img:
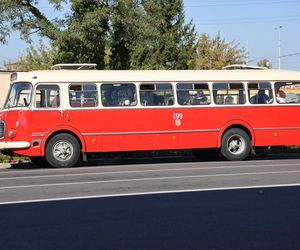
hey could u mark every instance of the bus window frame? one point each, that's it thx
(117, 106)
(30, 104)
(245, 88)
(196, 82)
(98, 91)
(60, 96)
(275, 92)
(173, 86)
(272, 91)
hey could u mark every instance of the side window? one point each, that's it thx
(228, 93)
(115, 95)
(157, 94)
(287, 92)
(47, 96)
(193, 94)
(260, 93)
(83, 95)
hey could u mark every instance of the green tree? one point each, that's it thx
(85, 39)
(79, 37)
(126, 19)
(166, 41)
(215, 53)
(40, 58)
(264, 63)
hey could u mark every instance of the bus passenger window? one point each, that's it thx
(260, 93)
(158, 94)
(193, 94)
(228, 93)
(83, 95)
(116, 95)
(287, 92)
(47, 96)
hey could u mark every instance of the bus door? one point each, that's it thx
(47, 110)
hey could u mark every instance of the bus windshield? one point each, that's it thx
(19, 95)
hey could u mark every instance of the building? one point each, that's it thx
(4, 83)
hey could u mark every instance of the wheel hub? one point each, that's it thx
(62, 150)
(236, 145)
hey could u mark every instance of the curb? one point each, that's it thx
(4, 165)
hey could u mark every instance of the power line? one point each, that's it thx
(293, 54)
(239, 4)
(250, 18)
(240, 21)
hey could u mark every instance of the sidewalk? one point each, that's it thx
(4, 165)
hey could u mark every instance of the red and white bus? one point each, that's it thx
(58, 116)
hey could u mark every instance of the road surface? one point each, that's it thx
(168, 204)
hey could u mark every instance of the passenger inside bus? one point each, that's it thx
(260, 98)
(201, 98)
(229, 99)
(281, 96)
(183, 97)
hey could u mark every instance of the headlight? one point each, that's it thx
(11, 134)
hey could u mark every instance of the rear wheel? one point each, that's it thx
(63, 151)
(236, 145)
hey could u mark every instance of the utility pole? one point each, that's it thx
(279, 45)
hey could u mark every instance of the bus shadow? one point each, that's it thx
(156, 159)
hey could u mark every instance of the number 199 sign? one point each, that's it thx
(177, 118)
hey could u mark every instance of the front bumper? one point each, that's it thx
(14, 145)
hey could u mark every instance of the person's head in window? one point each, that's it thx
(280, 96)
(262, 97)
(229, 99)
(201, 97)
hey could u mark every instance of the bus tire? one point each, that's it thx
(236, 145)
(63, 151)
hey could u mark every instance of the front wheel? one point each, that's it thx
(63, 151)
(236, 145)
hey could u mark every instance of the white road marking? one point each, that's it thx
(151, 193)
(144, 171)
(145, 179)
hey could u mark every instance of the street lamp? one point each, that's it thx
(279, 45)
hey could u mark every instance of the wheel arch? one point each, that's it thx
(69, 130)
(236, 124)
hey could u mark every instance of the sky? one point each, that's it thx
(253, 24)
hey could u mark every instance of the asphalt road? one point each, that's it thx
(23, 183)
(266, 218)
(161, 204)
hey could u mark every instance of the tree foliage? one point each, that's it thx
(115, 34)
(168, 42)
(215, 53)
(84, 39)
(40, 58)
(78, 37)
(264, 63)
(120, 34)
(127, 19)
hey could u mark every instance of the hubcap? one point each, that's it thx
(236, 144)
(62, 150)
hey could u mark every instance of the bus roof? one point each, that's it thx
(157, 75)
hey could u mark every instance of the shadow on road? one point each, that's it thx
(151, 158)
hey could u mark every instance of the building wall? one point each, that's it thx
(4, 86)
